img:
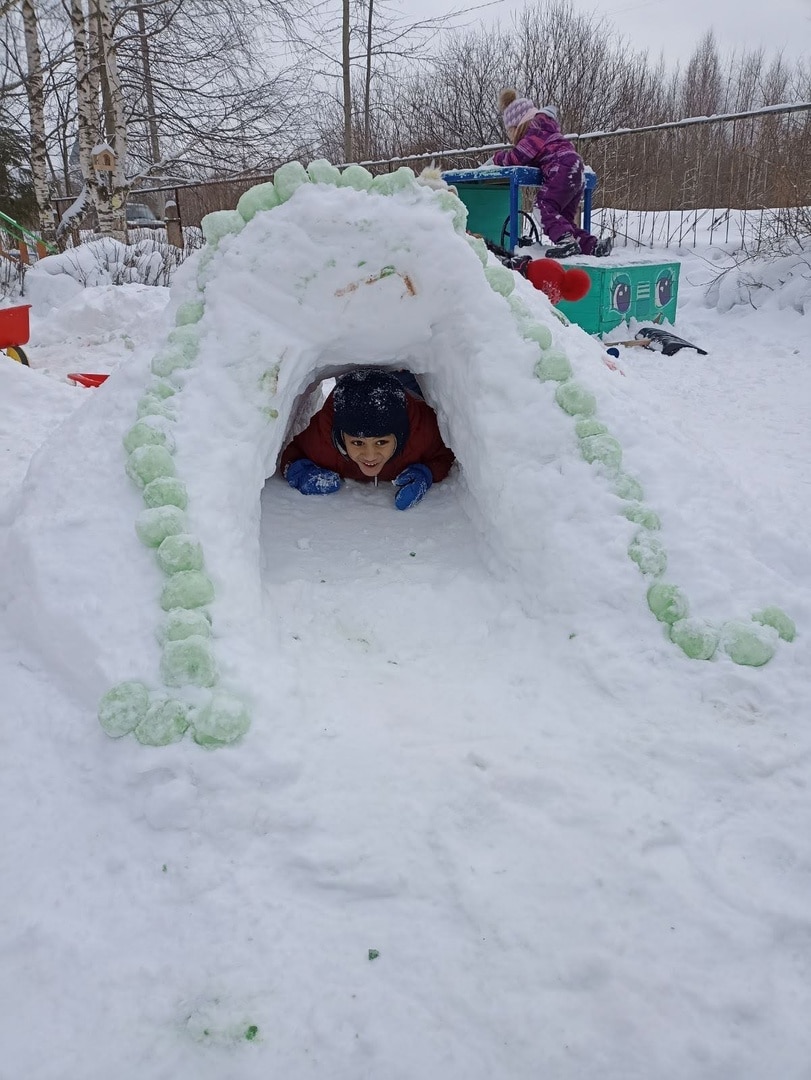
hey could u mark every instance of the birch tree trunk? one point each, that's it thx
(347, 80)
(86, 104)
(36, 111)
(112, 197)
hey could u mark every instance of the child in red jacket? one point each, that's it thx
(370, 428)
(537, 141)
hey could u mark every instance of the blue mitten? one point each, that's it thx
(412, 483)
(310, 479)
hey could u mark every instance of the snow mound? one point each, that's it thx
(304, 281)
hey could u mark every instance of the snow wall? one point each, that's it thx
(311, 276)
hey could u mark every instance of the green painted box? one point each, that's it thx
(488, 210)
(647, 293)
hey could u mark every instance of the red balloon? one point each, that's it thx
(576, 283)
(547, 275)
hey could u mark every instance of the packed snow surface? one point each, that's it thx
(488, 819)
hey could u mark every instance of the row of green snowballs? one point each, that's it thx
(751, 643)
(187, 660)
(291, 176)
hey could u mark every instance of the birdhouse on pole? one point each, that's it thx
(103, 157)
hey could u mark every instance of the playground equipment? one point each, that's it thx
(23, 242)
(647, 293)
(14, 332)
(492, 195)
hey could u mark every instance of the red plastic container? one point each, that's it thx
(14, 329)
(86, 378)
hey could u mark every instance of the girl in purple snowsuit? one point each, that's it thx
(538, 142)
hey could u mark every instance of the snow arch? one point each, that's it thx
(312, 275)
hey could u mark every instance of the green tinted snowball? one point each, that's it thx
(602, 448)
(323, 172)
(188, 662)
(553, 366)
(642, 515)
(187, 589)
(626, 487)
(153, 526)
(145, 434)
(165, 723)
(166, 491)
(390, 183)
(695, 637)
(222, 721)
(542, 335)
(221, 223)
(180, 552)
(355, 176)
(667, 602)
(259, 197)
(289, 178)
(186, 339)
(584, 428)
(454, 206)
(145, 463)
(161, 389)
(774, 617)
(190, 312)
(123, 708)
(648, 554)
(182, 624)
(478, 245)
(151, 405)
(750, 644)
(169, 360)
(574, 399)
(500, 279)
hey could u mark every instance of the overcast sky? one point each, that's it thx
(675, 26)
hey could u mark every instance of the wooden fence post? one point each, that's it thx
(174, 230)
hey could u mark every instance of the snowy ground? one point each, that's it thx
(575, 852)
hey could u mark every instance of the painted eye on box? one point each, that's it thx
(664, 288)
(621, 294)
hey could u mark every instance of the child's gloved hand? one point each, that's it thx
(412, 483)
(310, 479)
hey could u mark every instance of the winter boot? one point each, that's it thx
(603, 247)
(566, 246)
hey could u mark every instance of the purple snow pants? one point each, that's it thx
(559, 199)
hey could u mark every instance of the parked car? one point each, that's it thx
(140, 216)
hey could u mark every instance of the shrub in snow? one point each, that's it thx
(104, 261)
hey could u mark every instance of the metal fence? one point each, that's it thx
(739, 180)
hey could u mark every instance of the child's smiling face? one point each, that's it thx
(370, 455)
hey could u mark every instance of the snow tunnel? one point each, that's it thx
(312, 275)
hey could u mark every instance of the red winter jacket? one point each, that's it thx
(424, 445)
